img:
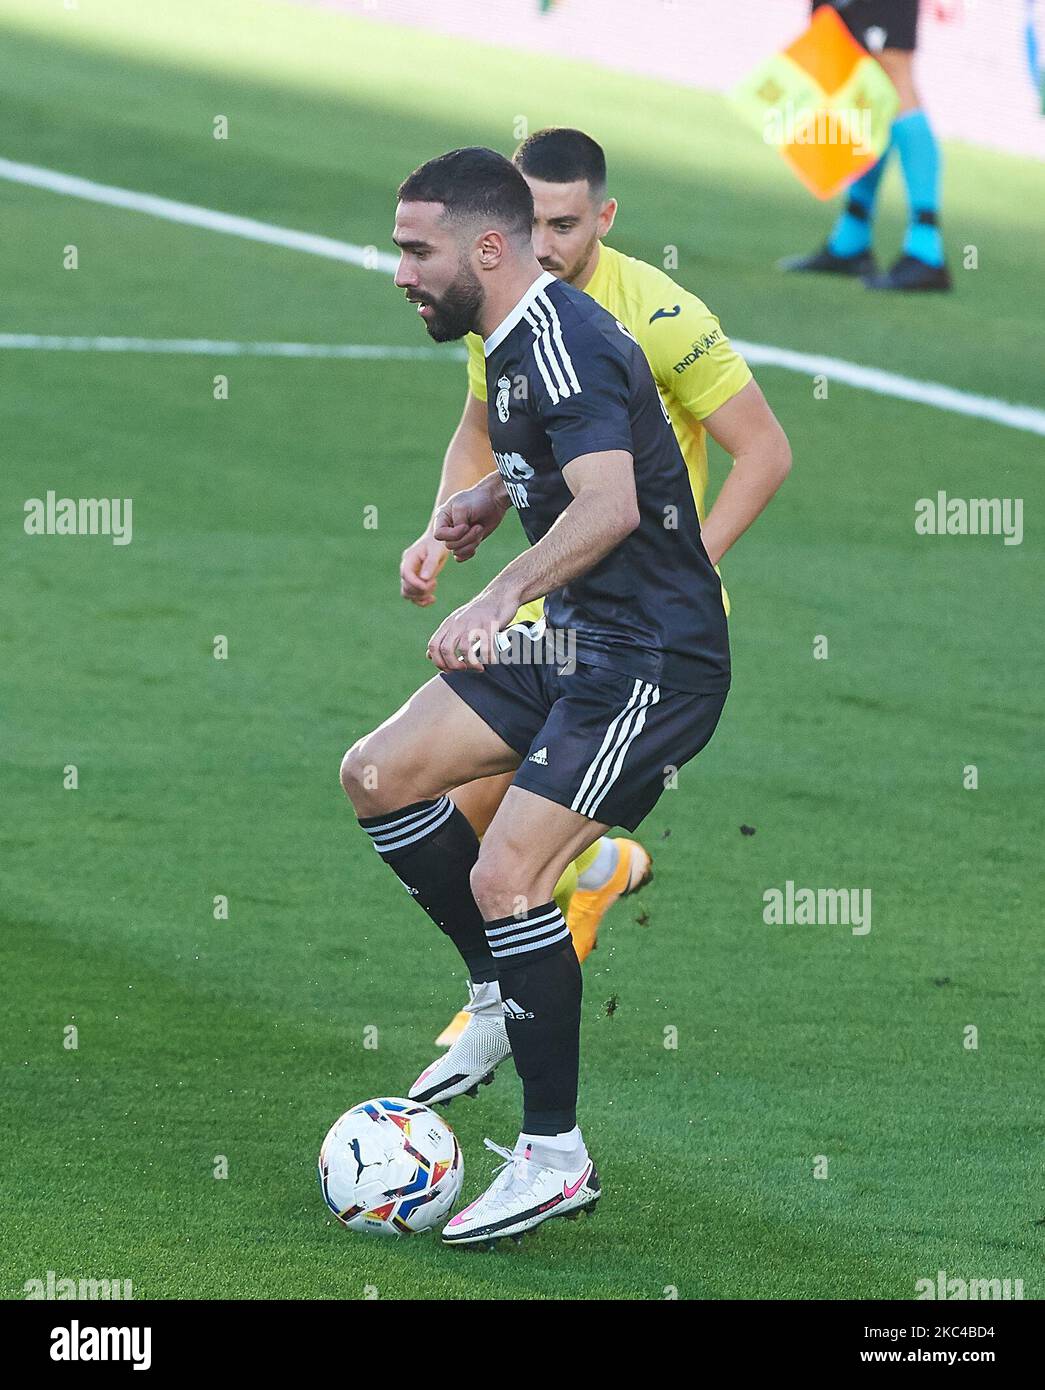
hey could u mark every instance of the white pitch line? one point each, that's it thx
(1016, 417)
(218, 347)
(192, 216)
(931, 393)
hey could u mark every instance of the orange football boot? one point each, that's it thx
(588, 906)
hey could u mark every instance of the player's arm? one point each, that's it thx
(749, 431)
(467, 461)
(604, 511)
(695, 362)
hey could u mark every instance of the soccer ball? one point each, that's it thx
(391, 1167)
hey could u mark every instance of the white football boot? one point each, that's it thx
(524, 1193)
(473, 1058)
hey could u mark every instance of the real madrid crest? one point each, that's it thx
(504, 386)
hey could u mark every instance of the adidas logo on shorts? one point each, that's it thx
(541, 757)
(515, 1010)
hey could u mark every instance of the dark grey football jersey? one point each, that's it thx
(564, 378)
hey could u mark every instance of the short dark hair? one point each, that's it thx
(561, 155)
(474, 183)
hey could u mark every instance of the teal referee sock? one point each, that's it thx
(920, 159)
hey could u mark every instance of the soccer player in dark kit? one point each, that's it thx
(628, 679)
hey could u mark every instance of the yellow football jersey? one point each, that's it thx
(693, 363)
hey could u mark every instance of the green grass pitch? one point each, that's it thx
(198, 777)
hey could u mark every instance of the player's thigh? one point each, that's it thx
(478, 801)
(528, 844)
(899, 68)
(429, 745)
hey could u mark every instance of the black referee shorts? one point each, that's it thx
(604, 744)
(879, 24)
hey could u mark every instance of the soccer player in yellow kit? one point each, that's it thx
(706, 388)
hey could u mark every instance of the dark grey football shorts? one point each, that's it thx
(602, 743)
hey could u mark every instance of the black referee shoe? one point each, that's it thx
(826, 262)
(909, 273)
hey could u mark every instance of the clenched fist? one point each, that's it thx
(464, 520)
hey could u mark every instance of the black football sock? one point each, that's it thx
(432, 849)
(541, 993)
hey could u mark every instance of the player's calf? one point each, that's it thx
(396, 778)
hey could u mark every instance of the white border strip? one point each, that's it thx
(931, 393)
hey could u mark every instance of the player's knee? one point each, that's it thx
(376, 777)
(899, 68)
(498, 887)
(358, 772)
(484, 881)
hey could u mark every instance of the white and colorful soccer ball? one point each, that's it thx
(391, 1167)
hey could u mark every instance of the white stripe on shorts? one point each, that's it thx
(604, 769)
